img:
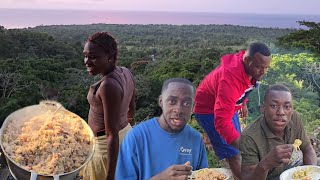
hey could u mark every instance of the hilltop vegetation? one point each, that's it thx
(46, 62)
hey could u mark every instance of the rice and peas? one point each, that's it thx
(48, 145)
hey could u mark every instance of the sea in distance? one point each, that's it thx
(22, 18)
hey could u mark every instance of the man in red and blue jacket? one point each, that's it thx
(223, 92)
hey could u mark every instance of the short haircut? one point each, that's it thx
(178, 80)
(276, 87)
(258, 47)
(106, 42)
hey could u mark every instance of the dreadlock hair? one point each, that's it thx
(106, 42)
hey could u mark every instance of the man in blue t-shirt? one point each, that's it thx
(164, 147)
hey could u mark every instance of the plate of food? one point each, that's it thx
(307, 172)
(211, 173)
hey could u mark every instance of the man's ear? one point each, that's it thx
(160, 101)
(246, 60)
(112, 60)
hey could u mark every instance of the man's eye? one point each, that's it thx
(187, 103)
(273, 106)
(172, 101)
(287, 107)
(89, 57)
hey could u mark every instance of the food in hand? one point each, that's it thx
(297, 144)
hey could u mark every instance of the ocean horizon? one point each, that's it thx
(23, 18)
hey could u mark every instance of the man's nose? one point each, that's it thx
(177, 108)
(86, 60)
(280, 111)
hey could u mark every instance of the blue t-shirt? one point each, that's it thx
(148, 150)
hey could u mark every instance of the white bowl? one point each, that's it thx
(314, 172)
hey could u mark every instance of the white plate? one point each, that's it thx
(314, 172)
(225, 171)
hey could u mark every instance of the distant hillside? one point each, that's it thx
(16, 43)
(168, 35)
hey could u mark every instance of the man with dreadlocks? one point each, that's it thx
(111, 102)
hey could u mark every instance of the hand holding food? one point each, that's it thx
(175, 172)
(278, 156)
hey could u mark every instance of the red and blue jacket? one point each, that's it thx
(223, 92)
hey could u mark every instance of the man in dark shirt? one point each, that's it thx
(266, 144)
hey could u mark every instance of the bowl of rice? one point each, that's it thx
(46, 141)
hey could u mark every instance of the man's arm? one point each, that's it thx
(132, 107)
(175, 172)
(309, 155)
(243, 112)
(279, 155)
(236, 143)
(110, 94)
(224, 111)
(254, 172)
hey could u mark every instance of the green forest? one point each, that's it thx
(46, 62)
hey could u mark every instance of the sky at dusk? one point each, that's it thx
(224, 6)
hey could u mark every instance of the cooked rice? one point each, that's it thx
(48, 145)
(212, 174)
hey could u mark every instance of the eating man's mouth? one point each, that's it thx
(280, 122)
(89, 68)
(177, 121)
